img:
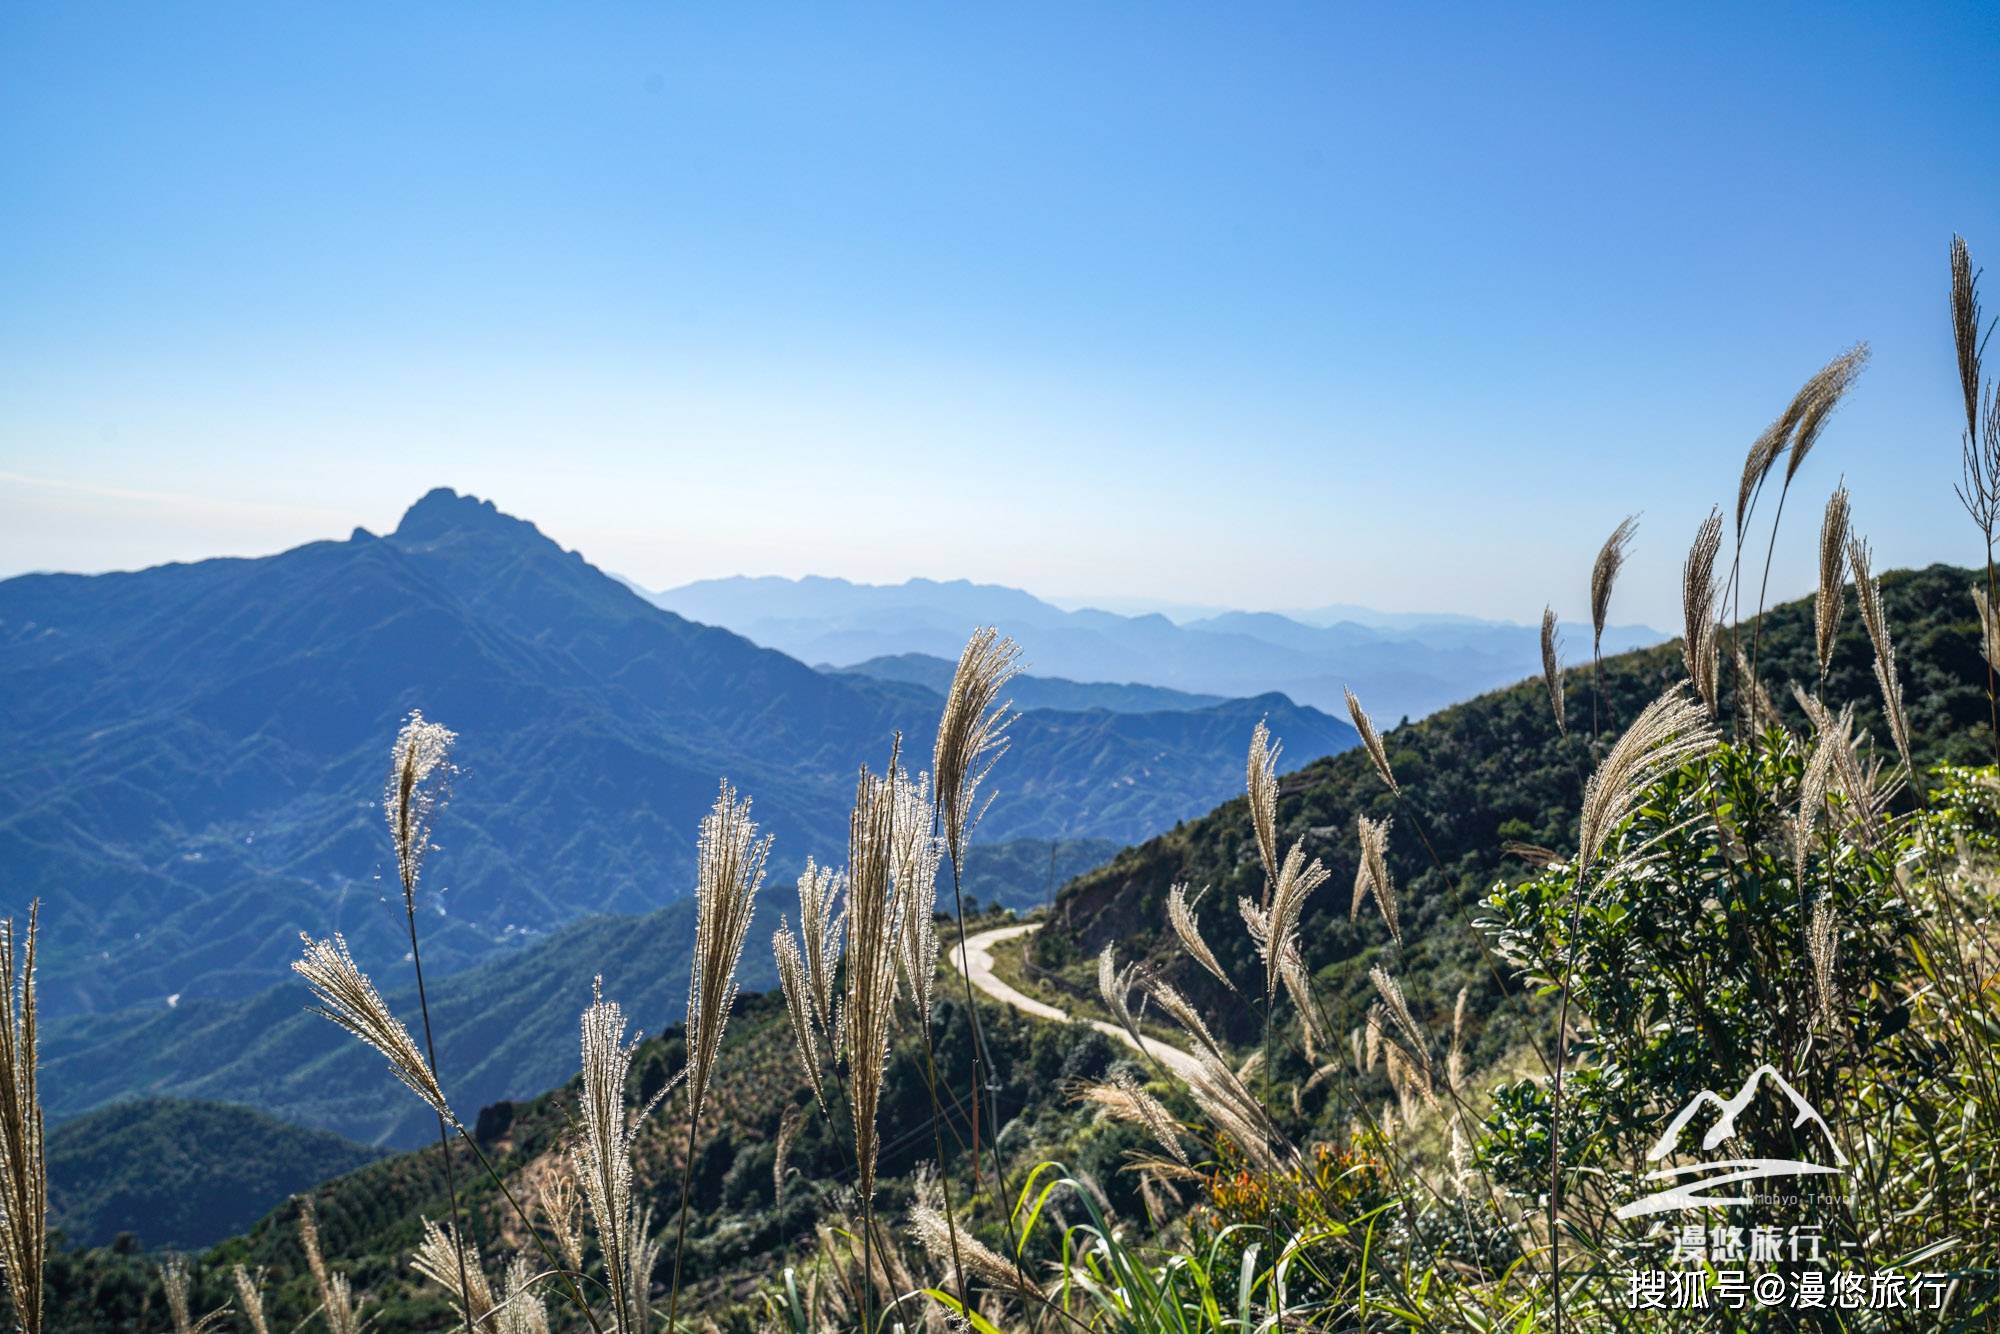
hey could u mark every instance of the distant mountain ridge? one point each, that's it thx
(196, 753)
(1403, 665)
(1037, 692)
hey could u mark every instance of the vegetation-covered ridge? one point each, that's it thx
(180, 1174)
(1479, 776)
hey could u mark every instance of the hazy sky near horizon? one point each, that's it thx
(1264, 306)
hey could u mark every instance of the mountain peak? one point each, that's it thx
(442, 511)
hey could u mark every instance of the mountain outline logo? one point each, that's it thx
(1690, 1194)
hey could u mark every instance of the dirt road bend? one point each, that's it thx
(976, 962)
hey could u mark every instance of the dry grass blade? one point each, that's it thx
(1454, 1061)
(1371, 740)
(1180, 913)
(1120, 1098)
(1261, 783)
(972, 732)
(1832, 597)
(1671, 731)
(1552, 672)
(1604, 576)
(24, 1205)
(437, 1259)
(1372, 877)
(349, 999)
(1868, 593)
(1699, 595)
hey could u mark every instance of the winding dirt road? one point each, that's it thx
(977, 964)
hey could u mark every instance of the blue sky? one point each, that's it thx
(1260, 305)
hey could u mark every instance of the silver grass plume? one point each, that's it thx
(1668, 733)
(1813, 786)
(1864, 797)
(349, 999)
(174, 1284)
(1832, 597)
(1234, 1110)
(601, 1151)
(789, 1122)
(1298, 985)
(520, 1311)
(1377, 1022)
(915, 860)
(562, 1211)
(1261, 784)
(1868, 593)
(250, 1296)
(1180, 913)
(1967, 337)
(1115, 985)
(1699, 595)
(1604, 577)
(1296, 881)
(1397, 1010)
(1798, 427)
(419, 772)
(1358, 1049)
(437, 1259)
(1823, 943)
(24, 1172)
(729, 869)
(872, 918)
(1371, 741)
(1177, 1008)
(1817, 400)
(797, 989)
(1372, 875)
(1758, 708)
(1120, 1098)
(972, 732)
(931, 1231)
(820, 889)
(641, 1258)
(336, 1294)
(1989, 629)
(1552, 672)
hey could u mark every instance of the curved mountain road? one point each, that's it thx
(976, 963)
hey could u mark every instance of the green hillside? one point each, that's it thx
(370, 1219)
(505, 1029)
(1477, 775)
(180, 1174)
